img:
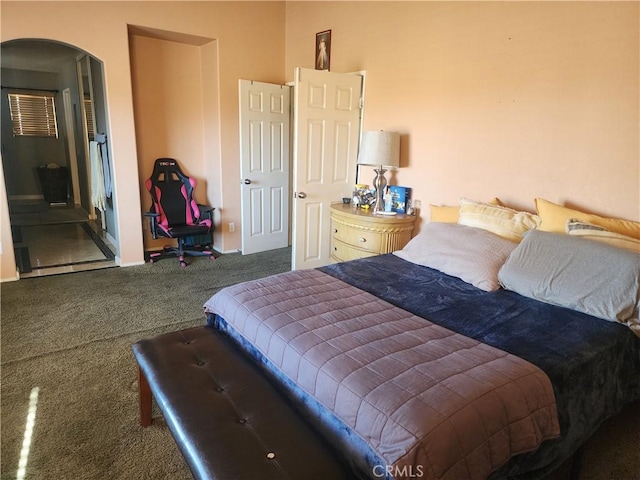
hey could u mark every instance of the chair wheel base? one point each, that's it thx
(181, 254)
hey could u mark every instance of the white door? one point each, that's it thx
(264, 165)
(327, 131)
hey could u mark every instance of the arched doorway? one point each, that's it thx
(65, 233)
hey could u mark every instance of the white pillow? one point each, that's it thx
(471, 254)
(597, 233)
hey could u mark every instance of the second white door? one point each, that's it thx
(264, 165)
(327, 112)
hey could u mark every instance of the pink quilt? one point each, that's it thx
(430, 402)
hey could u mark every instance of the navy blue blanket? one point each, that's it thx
(593, 364)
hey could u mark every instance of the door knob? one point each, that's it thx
(246, 181)
(302, 195)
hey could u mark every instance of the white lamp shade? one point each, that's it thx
(379, 148)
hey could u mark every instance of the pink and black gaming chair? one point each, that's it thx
(175, 214)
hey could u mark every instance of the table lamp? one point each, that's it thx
(382, 150)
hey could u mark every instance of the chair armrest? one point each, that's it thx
(153, 221)
(206, 208)
(206, 211)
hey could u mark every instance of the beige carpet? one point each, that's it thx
(70, 336)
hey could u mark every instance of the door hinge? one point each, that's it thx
(361, 103)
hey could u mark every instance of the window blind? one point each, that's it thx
(91, 126)
(33, 115)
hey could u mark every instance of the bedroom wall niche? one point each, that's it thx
(173, 110)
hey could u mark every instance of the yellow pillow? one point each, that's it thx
(450, 214)
(506, 222)
(444, 213)
(554, 219)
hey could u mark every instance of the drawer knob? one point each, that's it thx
(362, 239)
(335, 230)
(335, 249)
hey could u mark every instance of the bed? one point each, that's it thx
(465, 355)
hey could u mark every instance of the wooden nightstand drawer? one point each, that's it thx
(343, 252)
(358, 238)
(357, 233)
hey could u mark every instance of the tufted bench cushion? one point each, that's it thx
(228, 420)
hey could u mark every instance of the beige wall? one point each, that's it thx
(249, 43)
(167, 98)
(515, 100)
(507, 99)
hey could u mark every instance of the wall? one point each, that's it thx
(508, 99)
(7, 260)
(167, 86)
(249, 44)
(22, 155)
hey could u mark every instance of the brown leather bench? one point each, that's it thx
(228, 420)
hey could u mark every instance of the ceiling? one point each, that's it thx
(36, 55)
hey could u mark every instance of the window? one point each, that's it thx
(33, 115)
(91, 126)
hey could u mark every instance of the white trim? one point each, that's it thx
(85, 131)
(110, 238)
(71, 143)
(11, 279)
(132, 264)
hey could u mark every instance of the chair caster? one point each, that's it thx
(212, 257)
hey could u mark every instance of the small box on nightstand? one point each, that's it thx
(400, 197)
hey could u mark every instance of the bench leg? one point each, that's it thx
(145, 399)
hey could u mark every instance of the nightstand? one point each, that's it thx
(358, 233)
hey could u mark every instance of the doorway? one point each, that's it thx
(48, 178)
(327, 120)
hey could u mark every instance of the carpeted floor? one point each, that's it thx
(70, 337)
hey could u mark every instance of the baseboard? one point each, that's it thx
(11, 279)
(131, 264)
(111, 239)
(26, 197)
(226, 252)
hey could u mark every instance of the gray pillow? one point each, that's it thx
(584, 275)
(471, 254)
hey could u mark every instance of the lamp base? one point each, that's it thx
(379, 183)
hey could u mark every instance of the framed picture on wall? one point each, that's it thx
(323, 50)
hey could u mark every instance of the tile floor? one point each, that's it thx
(66, 248)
